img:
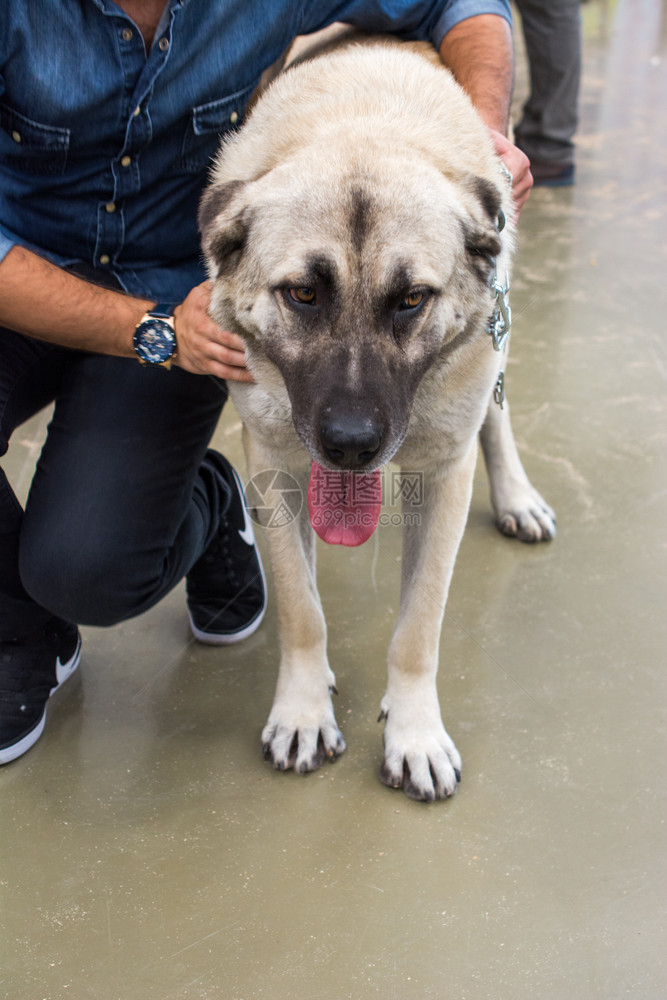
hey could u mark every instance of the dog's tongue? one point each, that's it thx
(344, 507)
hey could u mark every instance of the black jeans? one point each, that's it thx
(119, 509)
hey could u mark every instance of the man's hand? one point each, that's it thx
(518, 165)
(203, 348)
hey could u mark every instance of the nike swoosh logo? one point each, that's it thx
(246, 532)
(65, 670)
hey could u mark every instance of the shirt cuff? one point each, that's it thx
(460, 10)
(6, 243)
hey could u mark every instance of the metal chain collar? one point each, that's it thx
(498, 327)
(500, 321)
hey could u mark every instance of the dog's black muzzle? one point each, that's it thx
(349, 440)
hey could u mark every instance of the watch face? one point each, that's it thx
(154, 341)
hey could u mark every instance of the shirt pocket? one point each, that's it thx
(28, 146)
(207, 124)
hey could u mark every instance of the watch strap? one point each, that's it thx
(162, 310)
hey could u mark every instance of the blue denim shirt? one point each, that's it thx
(104, 150)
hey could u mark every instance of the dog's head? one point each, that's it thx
(351, 282)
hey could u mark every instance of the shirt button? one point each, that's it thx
(110, 207)
(234, 117)
(126, 34)
(126, 161)
(16, 136)
(163, 44)
(104, 259)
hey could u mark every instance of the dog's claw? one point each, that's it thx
(300, 750)
(383, 715)
(388, 778)
(458, 775)
(333, 689)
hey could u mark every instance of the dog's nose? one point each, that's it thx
(350, 441)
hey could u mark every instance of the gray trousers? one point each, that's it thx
(552, 31)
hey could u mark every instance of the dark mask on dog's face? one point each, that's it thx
(352, 291)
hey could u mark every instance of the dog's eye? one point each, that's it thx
(413, 300)
(305, 296)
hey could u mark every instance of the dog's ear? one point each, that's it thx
(490, 198)
(222, 221)
(483, 227)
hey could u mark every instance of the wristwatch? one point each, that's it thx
(155, 337)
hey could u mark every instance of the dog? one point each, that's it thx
(358, 235)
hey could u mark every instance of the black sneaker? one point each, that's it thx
(31, 670)
(226, 587)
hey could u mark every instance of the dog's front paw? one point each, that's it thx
(301, 736)
(525, 515)
(420, 756)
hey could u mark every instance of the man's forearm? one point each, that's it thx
(43, 301)
(479, 53)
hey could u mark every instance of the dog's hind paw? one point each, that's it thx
(526, 516)
(301, 748)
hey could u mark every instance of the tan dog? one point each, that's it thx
(354, 230)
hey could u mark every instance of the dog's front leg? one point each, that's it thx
(420, 756)
(301, 731)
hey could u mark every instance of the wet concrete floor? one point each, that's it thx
(147, 850)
